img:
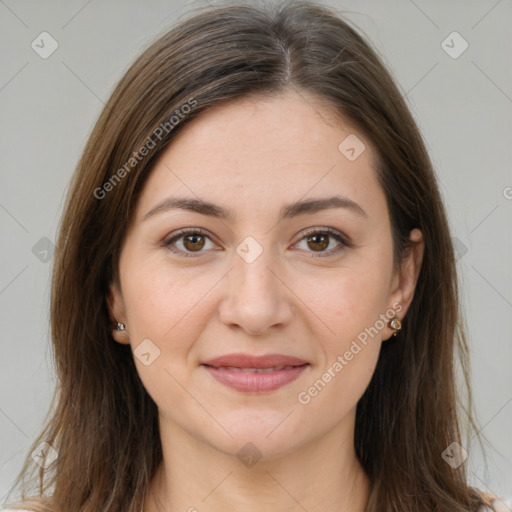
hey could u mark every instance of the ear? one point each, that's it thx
(404, 281)
(117, 314)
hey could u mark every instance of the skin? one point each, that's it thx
(255, 155)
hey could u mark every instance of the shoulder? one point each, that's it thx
(497, 504)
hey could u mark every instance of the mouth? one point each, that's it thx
(253, 370)
(255, 374)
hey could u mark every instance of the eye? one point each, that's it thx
(192, 240)
(320, 239)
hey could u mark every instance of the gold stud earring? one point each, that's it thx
(395, 324)
(121, 327)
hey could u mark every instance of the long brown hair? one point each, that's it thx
(102, 422)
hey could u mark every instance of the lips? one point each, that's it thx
(255, 374)
(255, 362)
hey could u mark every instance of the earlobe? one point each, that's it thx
(117, 315)
(120, 334)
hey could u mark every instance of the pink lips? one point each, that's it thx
(256, 374)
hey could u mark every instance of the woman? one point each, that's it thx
(254, 300)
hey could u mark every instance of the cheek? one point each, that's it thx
(347, 300)
(165, 308)
(352, 309)
(333, 393)
(171, 308)
(161, 301)
(350, 306)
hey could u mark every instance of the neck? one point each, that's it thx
(322, 476)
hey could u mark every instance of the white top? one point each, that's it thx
(498, 505)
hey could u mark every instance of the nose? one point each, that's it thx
(256, 296)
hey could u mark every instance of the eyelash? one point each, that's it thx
(307, 233)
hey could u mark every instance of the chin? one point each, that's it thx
(252, 449)
(258, 436)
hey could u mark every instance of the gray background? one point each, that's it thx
(463, 106)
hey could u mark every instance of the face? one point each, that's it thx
(311, 283)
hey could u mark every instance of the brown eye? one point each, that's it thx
(318, 242)
(193, 242)
(188, 242)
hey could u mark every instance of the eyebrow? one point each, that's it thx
(287, 211)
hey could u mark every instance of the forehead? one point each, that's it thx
(255, 152)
